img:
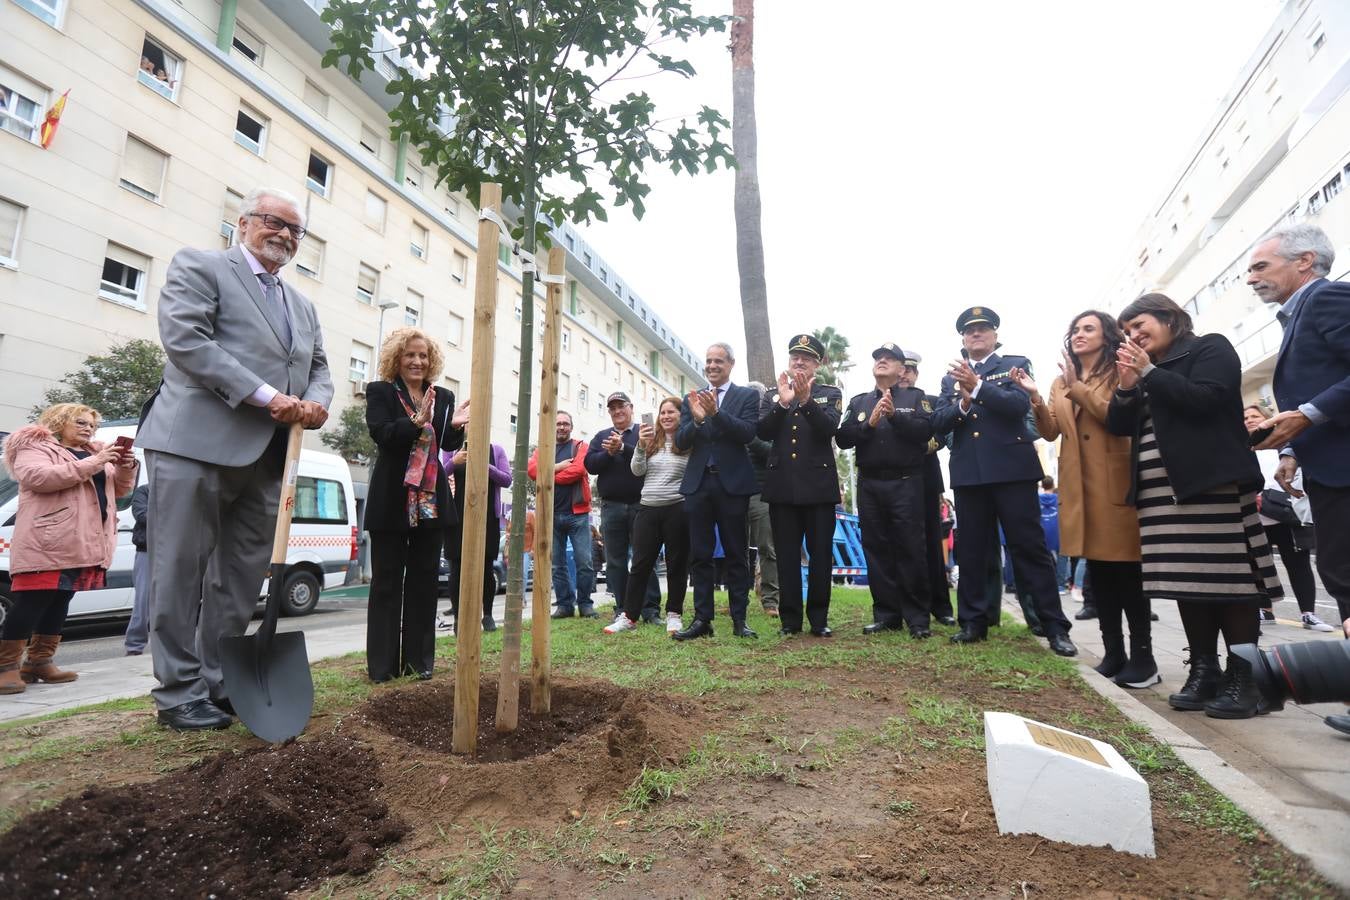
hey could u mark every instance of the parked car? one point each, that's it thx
(322, 543)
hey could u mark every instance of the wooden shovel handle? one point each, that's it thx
(286, 507)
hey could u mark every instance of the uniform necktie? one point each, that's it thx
(272, 295)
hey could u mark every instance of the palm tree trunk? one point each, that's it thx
(749, 240)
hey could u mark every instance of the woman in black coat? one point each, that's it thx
(1194, 485)
(409, 505)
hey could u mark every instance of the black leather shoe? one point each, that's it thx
(946, 620)
(1037, 630)
(590, 613)
(878, 627)
(1061, 644)
(697, 629)
(651, 617)
(920, 634)
(786, 631)
(822, 632)
(224, 705)
(741, 630)
(561, 613)
(199, 715)
(489, 624)
(424, 676)
(1087, 612)
(969, 635)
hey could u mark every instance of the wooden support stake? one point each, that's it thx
(469, 621)
(541, 696)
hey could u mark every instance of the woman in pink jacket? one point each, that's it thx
(64, 534)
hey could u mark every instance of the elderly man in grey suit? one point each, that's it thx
(245, 360)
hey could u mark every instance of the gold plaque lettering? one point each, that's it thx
(1066, 743)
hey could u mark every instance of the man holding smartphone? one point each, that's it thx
(610, 459)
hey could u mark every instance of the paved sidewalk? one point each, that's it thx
(1287, 770)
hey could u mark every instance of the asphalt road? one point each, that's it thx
(89, 643)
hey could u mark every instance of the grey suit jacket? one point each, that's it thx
(223, 343)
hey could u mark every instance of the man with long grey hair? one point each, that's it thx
(245, 361)
(1289, 266)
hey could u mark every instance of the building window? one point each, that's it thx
(420, 239)
(250, 129)
(452, 207)
(582, 396)
(413, 176)
(1315, 203)
(517, 309)
(455, 336)
(11, 217)
(1317, 38)
(585, 350)
(124, 277)
(567, 339)
(48, 11)
(229, 216)
(459, 268)
(309, 256)
(515, 409)
(249, 45)
(159, 69)
(21, 105)
(376, 208)
(412, 311)
(504, 253)
(143, 169)
(359, 366)
(367, 284)
(1332, 187)
(452, 385)
(319, 177)
(604, 276)
(572, 303)
(370, 140)
(571, 243)
(586, 260)
(564, 385)
(604, 363)
(315, 98)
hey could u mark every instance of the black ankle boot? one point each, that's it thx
(1141, 671)
(1202, 684)
(1238, 697)
(1113, 656)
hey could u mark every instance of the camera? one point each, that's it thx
(1311, 672)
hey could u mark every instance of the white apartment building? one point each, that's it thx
(1277, 148)
(145, 163)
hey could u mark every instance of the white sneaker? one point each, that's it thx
(445, 623)
(1312, 623)
(674, 622)
(621, 623)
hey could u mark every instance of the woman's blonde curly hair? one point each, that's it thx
(391, 353)
(56, 418)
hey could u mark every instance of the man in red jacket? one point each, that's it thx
(571, 522)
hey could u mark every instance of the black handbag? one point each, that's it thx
(1279, 506)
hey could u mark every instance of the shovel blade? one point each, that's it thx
(272, 693)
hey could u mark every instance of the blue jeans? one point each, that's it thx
(1062, 571)
(576, 529)
(138, 629)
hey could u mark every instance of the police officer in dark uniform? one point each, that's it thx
(995, 471)
(890, 427)
(801, 485)
(933, 486)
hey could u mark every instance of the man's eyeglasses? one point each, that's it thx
(276, 223)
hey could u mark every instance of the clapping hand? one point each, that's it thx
(461, 416)
(1068, 369)
(702, 404)
(964, 375)
(1022, 378)
(885, 407)
(787, 390)
(1131, 361)
(613, 444)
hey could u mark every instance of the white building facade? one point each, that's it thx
(1277, 149)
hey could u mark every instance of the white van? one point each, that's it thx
(322, 544)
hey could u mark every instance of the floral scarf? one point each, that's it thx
(420, 476)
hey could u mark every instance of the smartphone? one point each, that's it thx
(647, 419)
(123, 445)
(1259, 435)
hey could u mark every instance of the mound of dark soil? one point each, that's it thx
(424, 715)
(257, 824)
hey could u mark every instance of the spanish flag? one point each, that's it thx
(53, 118)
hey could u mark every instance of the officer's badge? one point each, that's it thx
(821, 400)
(977, 311)
(927, 407)
(839, 403)
(775, 398)
(862, 417)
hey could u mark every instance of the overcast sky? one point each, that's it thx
(916, 159)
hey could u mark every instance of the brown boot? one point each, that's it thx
(10, 654)
(39, 666)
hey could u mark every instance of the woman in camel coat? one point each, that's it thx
(1096, 519)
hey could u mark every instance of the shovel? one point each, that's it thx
(267, 674)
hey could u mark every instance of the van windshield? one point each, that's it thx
(9, 489)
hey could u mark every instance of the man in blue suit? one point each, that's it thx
(715, 426)
(1312, 388)
(995, 471)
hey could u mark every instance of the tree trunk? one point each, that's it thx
(749, 240)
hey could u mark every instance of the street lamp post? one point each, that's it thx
(384, 308)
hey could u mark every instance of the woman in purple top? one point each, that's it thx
(499, 476)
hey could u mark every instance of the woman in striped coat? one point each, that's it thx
(1194, 486)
